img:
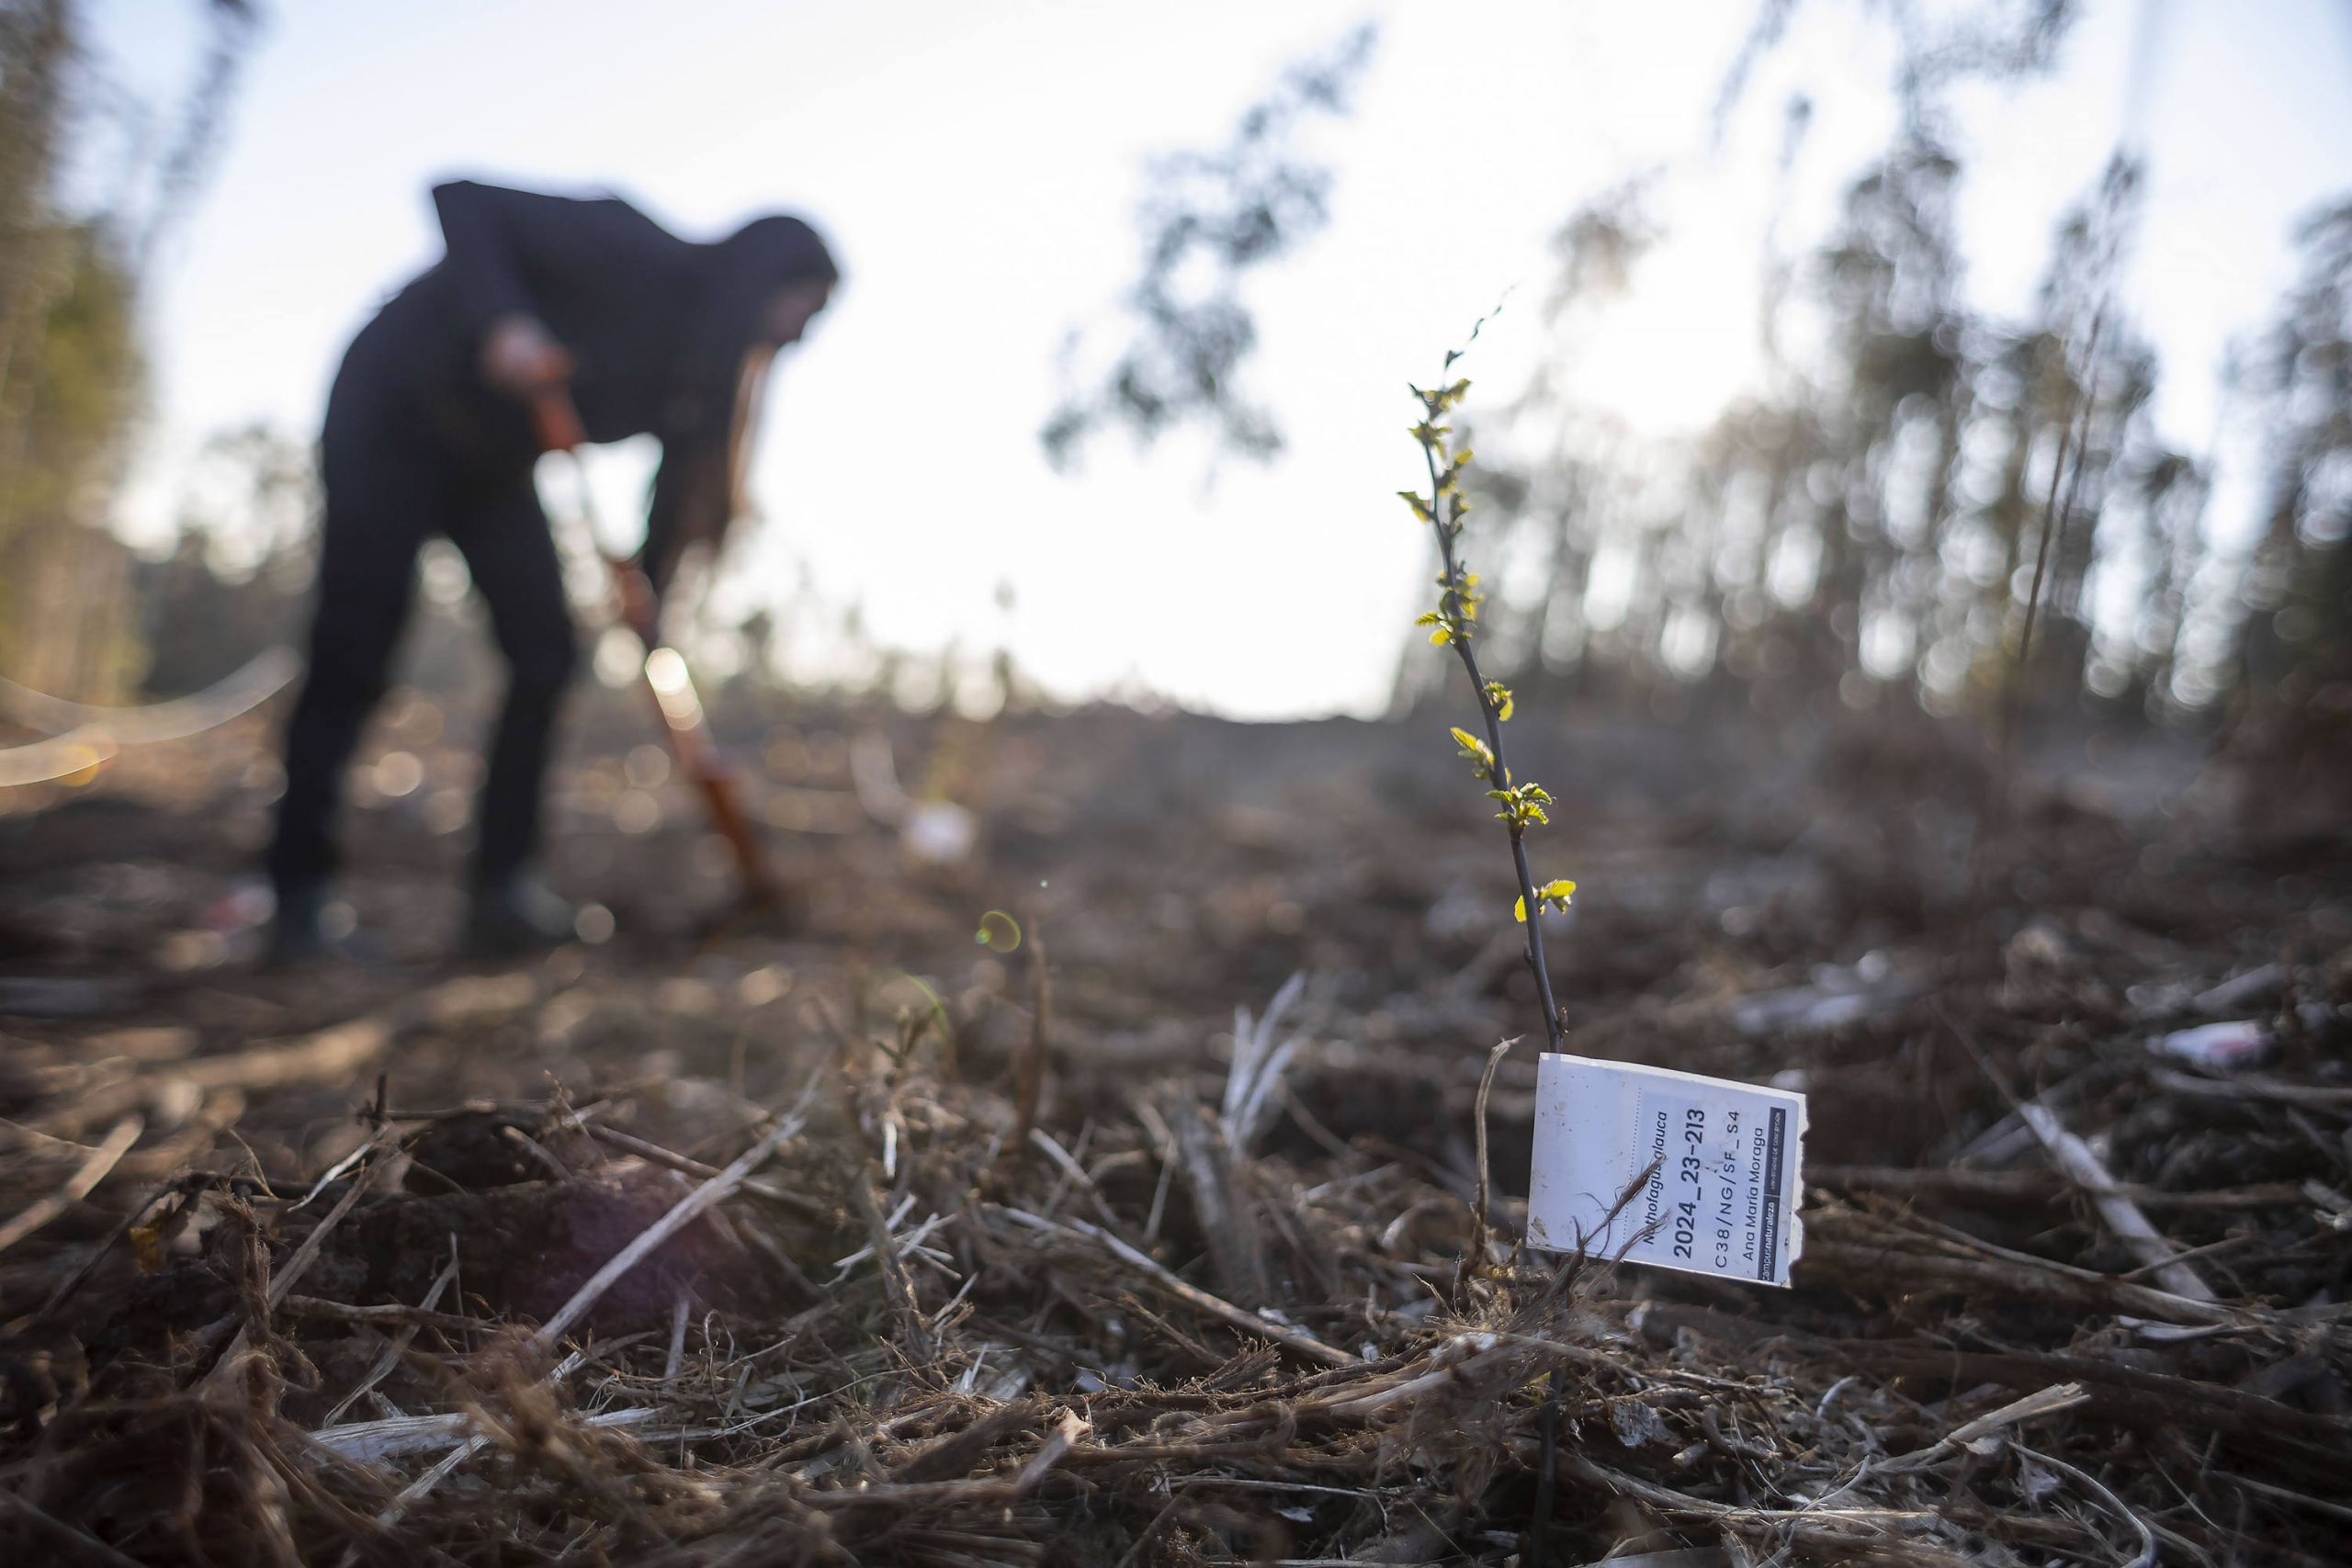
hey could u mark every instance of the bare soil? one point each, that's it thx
(921, 1332)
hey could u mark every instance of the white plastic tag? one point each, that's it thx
(1721, 1199)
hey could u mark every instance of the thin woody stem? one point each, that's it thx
(1498, 767)
(2066, 464)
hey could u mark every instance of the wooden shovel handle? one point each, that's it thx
(556, 419)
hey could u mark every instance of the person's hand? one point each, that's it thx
(641, 602)
(519, 357)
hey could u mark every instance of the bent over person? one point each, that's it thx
(430, 429)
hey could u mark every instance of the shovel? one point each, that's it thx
(666, 675)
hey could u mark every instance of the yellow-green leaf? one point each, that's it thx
(1476, 750)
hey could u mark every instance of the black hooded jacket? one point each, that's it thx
(658, 327)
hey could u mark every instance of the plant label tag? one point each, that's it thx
(1713, 1167)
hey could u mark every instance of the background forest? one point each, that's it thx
(1922, 496)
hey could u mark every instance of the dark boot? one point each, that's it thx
(295, 937)
(517, 914)
(299, 934)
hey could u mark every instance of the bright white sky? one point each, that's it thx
(976, 168)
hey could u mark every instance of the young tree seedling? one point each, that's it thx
(1453, 624)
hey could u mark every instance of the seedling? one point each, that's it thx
(1455, 624)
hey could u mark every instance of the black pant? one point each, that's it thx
(391, 483)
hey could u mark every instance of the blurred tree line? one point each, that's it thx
(70, 369)
(1895, 510)
(238, 577)
(1932, 503)
(1925, 502)
(1920, 494)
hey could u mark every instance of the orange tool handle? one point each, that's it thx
(760, 888)
(640, 611)
(555, 418)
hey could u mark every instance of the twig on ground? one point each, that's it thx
(2109, 1500)
(1067, 1163)
(372, 1441)
(677, 1338)
(537, 1151)
(400, 1344)
(79, 1185)
(898, 1287)
(655, 1154)
(1191, 1295)
(681, 1214)
(2122, 1216)
(1474, 1256)
(2087, 1171)
(77, 1539)
(283, 1281)
(1236, 1251)
(1066, 1436)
